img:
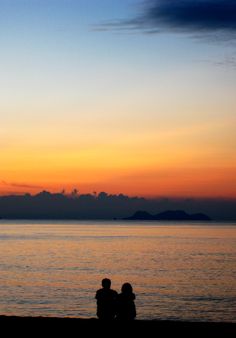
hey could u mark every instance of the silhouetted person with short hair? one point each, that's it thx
(126, 309)
(106, 301)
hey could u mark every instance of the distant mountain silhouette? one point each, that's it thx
(170, 215)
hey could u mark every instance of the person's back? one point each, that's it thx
(106, 301)
(126, 309)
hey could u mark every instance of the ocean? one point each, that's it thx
(179, 271)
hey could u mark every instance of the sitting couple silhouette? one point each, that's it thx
(111, 305)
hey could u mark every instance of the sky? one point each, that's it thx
(128, 96)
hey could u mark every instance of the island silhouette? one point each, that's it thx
(169, 215)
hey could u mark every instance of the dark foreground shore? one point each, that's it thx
(34, 326)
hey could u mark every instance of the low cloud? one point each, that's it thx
(21, 185)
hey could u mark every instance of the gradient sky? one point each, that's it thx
(88, 101)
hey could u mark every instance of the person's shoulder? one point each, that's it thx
(99, 292)
(114, 292)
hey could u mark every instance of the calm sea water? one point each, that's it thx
(178, 271)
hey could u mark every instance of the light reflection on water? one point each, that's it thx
(178, 271)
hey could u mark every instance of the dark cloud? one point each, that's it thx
(188, 16)
(46, 205)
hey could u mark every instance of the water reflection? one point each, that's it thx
(178, 271)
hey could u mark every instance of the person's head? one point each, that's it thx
(106, 283)
(126, 288)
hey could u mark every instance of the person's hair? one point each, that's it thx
(126, 288)
(106, 283)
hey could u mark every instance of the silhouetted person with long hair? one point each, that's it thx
(106, 301)
(126, 309)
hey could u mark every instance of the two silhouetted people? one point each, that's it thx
(111, 305)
